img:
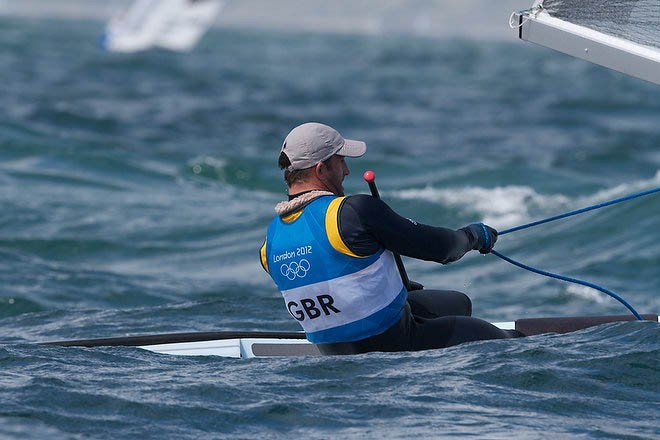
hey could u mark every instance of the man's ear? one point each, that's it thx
(320, 169)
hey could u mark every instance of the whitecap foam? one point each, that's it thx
(504, 206)
(622, 190)
(509, 206)
(201, 163)
(587, 293)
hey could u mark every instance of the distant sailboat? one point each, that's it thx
(623, 35)
(170, 24)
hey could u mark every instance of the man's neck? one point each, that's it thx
(304, 187)
(294, 195)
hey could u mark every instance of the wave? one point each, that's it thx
(622, 190)
(508, 206)
(14, 306)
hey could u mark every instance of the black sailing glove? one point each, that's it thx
(484, 237)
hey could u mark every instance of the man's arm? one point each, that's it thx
(367, 223)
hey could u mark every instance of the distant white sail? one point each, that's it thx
(623, 35)
(171, 24)
(184, 31)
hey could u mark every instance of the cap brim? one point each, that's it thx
(352, 148)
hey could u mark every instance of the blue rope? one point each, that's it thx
(571, 280)
(565, 278)
(580, 211)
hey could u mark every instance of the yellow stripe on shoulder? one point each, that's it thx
(332, 228)
(292, 216)
(264, 260)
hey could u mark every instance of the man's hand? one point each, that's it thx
(484, 237)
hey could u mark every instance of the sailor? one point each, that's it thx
(332, 258)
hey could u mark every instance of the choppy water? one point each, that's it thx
(135, 191)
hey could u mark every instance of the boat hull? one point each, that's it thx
(267, 344)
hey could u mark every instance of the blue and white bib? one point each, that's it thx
(336, 296)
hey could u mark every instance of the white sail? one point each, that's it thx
(184, 31)
(623, 35)
(171, 24)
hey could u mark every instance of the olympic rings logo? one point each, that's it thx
(295, 270)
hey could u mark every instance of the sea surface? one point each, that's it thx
(135, 191)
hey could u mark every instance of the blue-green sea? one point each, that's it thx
(135, 190)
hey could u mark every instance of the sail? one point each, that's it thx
(623, 35)
(185, 28)
(171, 24)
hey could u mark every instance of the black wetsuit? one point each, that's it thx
(431, 318)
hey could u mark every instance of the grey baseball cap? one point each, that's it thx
(312, 142)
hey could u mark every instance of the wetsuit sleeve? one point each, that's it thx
(367, 223)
